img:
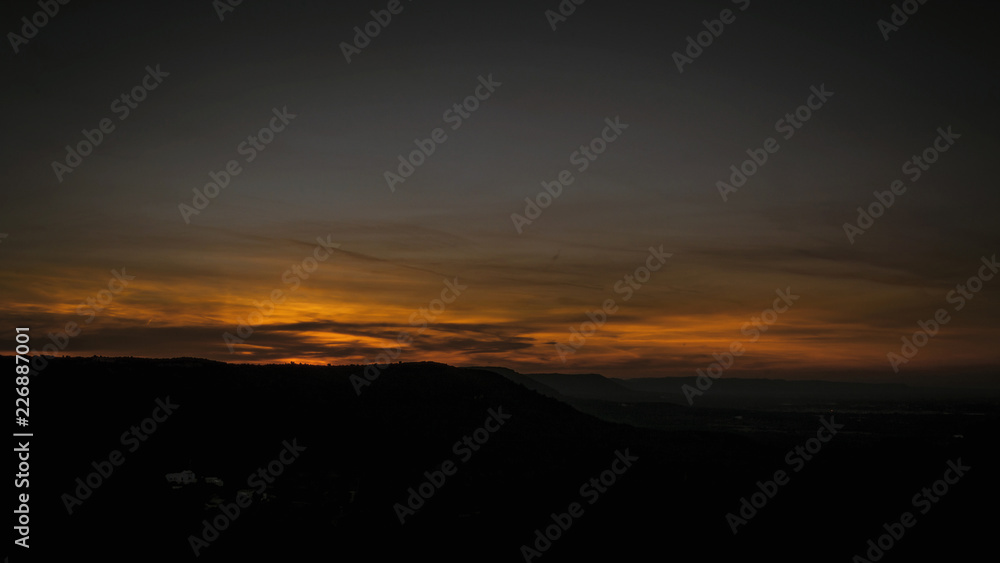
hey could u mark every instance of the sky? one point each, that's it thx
(450, 263)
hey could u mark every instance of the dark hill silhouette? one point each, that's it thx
(527, 381)
(335, 502)
(586, 386)
(568, 387)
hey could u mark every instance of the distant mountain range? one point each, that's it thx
(736, 392)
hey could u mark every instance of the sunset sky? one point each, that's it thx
(655, 185)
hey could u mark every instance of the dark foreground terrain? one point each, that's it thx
(339, 464)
